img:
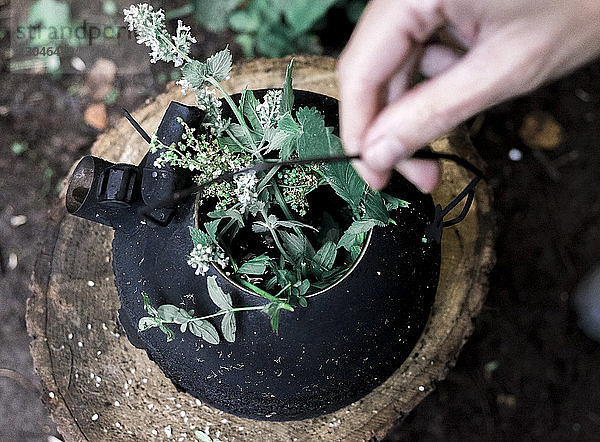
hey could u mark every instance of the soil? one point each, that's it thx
(528, 371)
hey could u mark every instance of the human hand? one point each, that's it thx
(513, 47)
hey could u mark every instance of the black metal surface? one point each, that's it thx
(349, 339)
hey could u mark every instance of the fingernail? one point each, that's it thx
(383, 155)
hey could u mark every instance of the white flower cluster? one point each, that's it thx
(268, 110)
(183, 41)
(185, 85)
(206, 100)
(151, 31)
(201, 257)
(245, 190)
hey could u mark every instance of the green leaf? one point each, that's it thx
(354, 252)
(211, 228)
(195, 74)
(148, 307)
(241, 134)
(255, 266)
(146, 323)
(284, 277)
(249, 110)
(288, 125)
(346, 182)
(314, 138)
(317, 140)
(273, 309)
(205, 330)
(260, 227)
(297, 246)
(288, 149)
(302, 301)
(276, 138)
(302, 288)
(292, 224)
(199, 237)
(218, 296)
(228, 327)
(348, 239)
(287, 94)
(229, 213)
(256, 206)
(326, 255)
(303, 14)
(170, 335)
(219, 65)
(172, 313)
(375, 208)
(213, 14)
(393, 203)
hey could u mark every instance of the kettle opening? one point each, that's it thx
(80, 184)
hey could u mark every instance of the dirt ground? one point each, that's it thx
(527, 373)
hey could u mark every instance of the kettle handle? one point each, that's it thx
(434, 230)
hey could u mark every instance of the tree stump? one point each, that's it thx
(99, 387)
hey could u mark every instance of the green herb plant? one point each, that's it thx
(270, 28)
(291, 257)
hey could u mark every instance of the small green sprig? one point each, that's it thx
(200, 326)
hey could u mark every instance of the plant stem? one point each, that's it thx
(284, 208)
(275, 237)
(281, 201)
(283, 289)
(261, 292)
(233, 107)
(268, 177)
(223, 312)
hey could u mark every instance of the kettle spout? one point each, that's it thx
(98, 189)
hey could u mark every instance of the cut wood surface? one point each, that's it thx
(99, 387)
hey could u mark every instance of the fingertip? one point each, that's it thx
(376, 180)
(424, 174)
(351, 146)
(383, 154)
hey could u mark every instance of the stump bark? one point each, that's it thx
(99, 387)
